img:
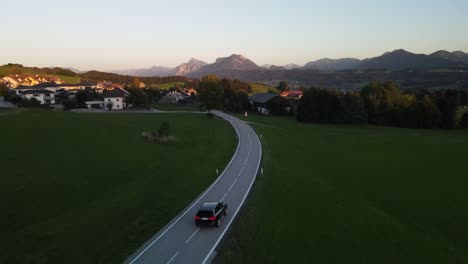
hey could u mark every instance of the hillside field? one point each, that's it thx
(87, 188)
(167, 86)
(7, 70)
(261, 88)
(354, 194)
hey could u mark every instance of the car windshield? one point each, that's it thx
(205, 213)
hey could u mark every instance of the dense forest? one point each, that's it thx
(385, 104)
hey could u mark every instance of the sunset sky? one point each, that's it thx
(112, 35)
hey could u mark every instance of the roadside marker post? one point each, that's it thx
(262, 170)
(217, 172)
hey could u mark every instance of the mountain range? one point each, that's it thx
(396, 60)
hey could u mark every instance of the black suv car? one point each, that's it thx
(211, 213)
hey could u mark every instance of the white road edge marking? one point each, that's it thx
(198, 200)
(240, 205)
(194, 233)
(173, 257)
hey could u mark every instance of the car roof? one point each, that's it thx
(208, 206)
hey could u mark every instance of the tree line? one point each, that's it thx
(129, 80)
(225, 94)
(385, 104)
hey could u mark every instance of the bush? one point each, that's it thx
(30, 103)
(278, 106)
(12, 98)
(163, 131)
(3, 89)
(462, 118)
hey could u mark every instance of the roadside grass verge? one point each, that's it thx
(354, 194)
(87, 188)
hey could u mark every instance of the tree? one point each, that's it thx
(319, 105)
(136, 82)
(84, 95)
(138, 97)
(30, 103)
(352, 109)
(283, 86)
(69, 103)
(3, 89)
(464, 120)
(109, 105)
(211, 92)
(448, 102)
(278, 106)
(235, 99)
(380, 100)
(163, 131)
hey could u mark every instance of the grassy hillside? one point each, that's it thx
(45, 72)
(86, 188)
(167, 86)
(261, 88)
(344, 194)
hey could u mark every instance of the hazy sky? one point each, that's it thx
(118, 34)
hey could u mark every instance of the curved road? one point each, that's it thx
(180, 241)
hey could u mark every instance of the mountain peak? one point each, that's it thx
(240, 56)
(196, 61)
(233, 62)
(191, 66)
(399, 52)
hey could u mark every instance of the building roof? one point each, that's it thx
(262, 97)
(113, 94)
(38, 92)
(37, 86)
(291, 93)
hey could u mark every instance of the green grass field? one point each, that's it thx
(86, 188)
(167, 86)
(261, 88)
(176, 107)
(354, 194)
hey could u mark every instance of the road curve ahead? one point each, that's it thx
(181, 241)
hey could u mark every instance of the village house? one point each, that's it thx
(13, 81)
(172, 98)
(259, 102)
(108, 85)
(52, 87)
(79, 86)
(292, 94)
(10, 82)
(45, 97)
(113, 100)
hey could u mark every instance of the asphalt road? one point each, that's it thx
(181, 241)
